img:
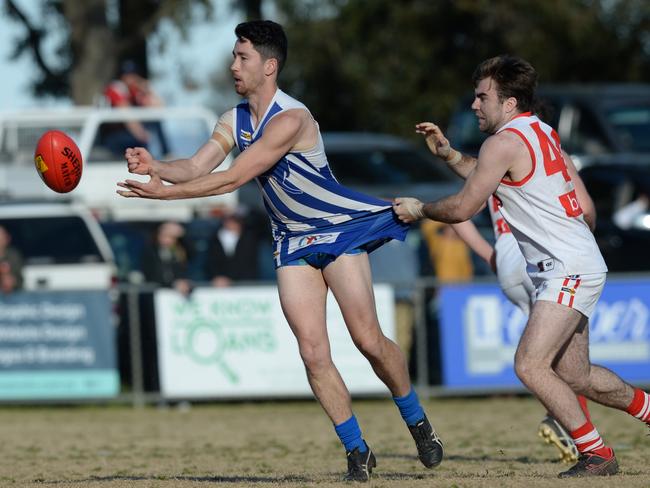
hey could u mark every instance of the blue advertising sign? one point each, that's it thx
(480, 330)
(57, 345)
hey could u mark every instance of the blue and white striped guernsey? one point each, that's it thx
(310, 211)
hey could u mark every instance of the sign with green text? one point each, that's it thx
(236, 343)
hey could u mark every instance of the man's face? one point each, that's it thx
(487, 107)
(247, 67)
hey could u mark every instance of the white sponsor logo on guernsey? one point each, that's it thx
(300, 242)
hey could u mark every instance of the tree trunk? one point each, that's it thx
(94, 57)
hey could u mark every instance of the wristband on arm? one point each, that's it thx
(455, 159)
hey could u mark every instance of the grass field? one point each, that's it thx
(489, 443)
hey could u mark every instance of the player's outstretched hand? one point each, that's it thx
(435, 139)
(154, 188)
(408, 209)
(138, 160)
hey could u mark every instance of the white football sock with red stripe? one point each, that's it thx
(640, 406)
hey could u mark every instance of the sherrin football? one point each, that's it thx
(58, 161)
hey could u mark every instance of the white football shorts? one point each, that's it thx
(580, 292)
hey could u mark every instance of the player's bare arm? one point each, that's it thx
(439, 145)
(499, 155)
(280, 136)
(206, 159)
(586, 203)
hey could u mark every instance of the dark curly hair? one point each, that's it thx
(267, 37)
(514, 76)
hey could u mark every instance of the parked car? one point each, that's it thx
(62, 245)
(620, 191)
(184, 129)
(591, 119)
(386, 165)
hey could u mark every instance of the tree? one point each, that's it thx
(384, 65)
(95, 39)
(252, 8)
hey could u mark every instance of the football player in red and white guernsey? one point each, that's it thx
(523, 165)
(506, 260)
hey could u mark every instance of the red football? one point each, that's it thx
(58, 161)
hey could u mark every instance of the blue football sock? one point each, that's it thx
(350, 434)
(409, 407)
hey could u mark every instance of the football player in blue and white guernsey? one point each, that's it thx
(322, 232)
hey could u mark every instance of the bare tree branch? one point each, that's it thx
(32, 40)
(94, 47)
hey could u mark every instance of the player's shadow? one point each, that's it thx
(251, 480)
(206, 479)
(500, 456)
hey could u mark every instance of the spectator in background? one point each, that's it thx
(11, 264)
(131, 89)
(165, 263)
(234, 252)
(450, 257)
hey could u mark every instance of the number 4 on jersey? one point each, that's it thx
(554, 163)
(553, 159)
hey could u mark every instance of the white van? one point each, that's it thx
(184, 130)
(62, 245)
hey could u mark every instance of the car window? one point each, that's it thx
(601, 187)
(464, 133)
(177, 137)
(587, 135)
(612, 187)
(384, 166)
(19, 139)
(53, 240)
(632, 126)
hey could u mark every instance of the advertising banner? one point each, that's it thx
(480, 330)
(235, 343)
(57, 345)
